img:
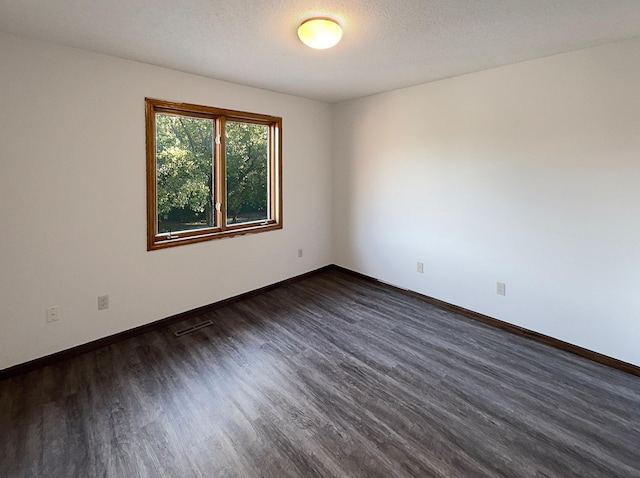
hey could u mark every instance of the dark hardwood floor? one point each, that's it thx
(331, 376)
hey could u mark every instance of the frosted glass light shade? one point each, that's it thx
(320, 33)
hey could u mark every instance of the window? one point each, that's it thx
(211, 173)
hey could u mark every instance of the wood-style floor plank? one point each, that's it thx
(330, 376)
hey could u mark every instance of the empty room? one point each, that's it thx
(320, 239)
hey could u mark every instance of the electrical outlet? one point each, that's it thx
(300, 251)
(420, 268)
(103, 302)
(501, 288)
(52, 313)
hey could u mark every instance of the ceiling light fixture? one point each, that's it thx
(320, 33)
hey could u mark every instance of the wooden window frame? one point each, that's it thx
(221, 229)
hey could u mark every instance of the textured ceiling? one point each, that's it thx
(387, 44)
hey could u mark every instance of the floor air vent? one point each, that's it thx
(193, 328)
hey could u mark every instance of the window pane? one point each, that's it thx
(247, 166)
(184, 172)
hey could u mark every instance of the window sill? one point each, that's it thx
(161, 241)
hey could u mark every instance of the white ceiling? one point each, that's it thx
(387, 44)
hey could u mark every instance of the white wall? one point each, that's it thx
(72, 199)
(527, 174)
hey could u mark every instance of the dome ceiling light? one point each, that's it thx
(320, 33)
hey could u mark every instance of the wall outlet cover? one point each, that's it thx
(103, 302)
(52, 313)
(501, 288)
